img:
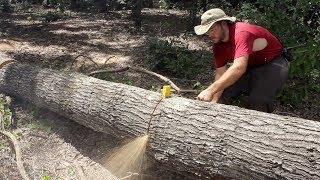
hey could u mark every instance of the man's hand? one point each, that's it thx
(205, 95)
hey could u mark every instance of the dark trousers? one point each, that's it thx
(261, 84)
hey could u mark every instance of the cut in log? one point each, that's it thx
(196, 137)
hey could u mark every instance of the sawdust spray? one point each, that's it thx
(129, 158)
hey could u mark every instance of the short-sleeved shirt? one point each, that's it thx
(241, 38)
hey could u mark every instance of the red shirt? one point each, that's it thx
(241, 38)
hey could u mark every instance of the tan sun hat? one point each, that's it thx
(209, 18)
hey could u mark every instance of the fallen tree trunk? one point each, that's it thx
(197, 137)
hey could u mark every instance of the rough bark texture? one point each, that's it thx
(198, 137)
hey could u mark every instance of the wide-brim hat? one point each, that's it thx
(209, 18)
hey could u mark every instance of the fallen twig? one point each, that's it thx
(142, 70)
(165, 79)
(15, 143)
(109, 71)
(18, 154)
(109, 59)
(185, 80)
(87, 57)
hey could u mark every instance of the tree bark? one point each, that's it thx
(136, 12)
(197, 137)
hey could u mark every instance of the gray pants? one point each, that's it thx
(261, 84)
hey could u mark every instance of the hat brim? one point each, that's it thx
(202, 29)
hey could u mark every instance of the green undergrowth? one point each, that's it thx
(174, 58)
(6, 119)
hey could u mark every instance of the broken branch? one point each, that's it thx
(142, 70)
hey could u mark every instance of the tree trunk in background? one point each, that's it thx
(74, 4)
(149, 3)
(101, 5)
(136, 12)
(196, 137)
(193, 8)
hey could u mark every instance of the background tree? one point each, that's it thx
(136, 12)
(75, 4)
(149, 3)
(101, 5)
(193, 9)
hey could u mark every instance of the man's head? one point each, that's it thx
(214, 23)
(219, 32)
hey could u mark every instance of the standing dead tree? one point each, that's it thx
(196, 137)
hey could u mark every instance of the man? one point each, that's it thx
(258, 67)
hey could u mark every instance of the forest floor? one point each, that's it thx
(56, 147)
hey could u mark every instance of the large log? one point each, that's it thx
(197, 137)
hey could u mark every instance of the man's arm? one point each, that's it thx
(231, 75)
(219, 72)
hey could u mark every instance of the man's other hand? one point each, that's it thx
(205, 95)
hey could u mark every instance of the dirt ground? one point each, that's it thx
(57, 148)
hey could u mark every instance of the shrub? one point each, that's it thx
(52, 16)
(173, 57)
